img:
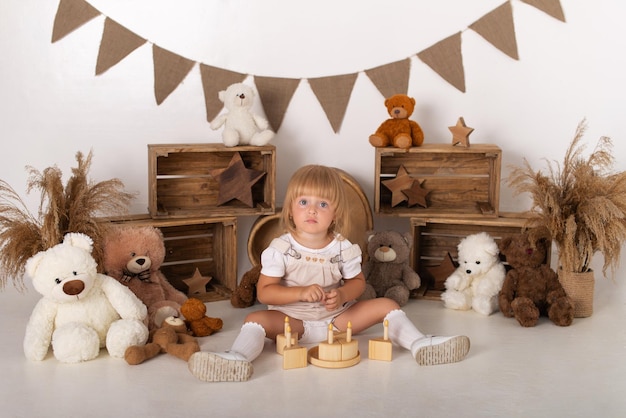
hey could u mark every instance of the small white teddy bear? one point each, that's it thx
(241, 126)
(475, 284)
(81, 310)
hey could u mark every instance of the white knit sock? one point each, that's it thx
(250, 341)
(401, 330)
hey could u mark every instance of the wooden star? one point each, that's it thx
(416, 194)
(460, 133)
(402, 181)
(441, 272)
(236, 181)
(197, 283)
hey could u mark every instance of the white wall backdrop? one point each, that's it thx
(52, 105)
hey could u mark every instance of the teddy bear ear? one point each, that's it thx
(33, 263)
(505, 242)
(408, 237)
(78, 240)
(222, 96)
(370, 235)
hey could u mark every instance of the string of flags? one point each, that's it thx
(333, 92)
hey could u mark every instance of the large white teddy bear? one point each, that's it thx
(241, 126)
(475, 284)
(81, 310)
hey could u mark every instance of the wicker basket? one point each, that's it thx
(579, 287)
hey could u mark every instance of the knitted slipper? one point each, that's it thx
(440, 350)
(223, 367)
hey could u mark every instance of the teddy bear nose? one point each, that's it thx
(242, 96)
(468, 271)
(73, 287)
(141, 261)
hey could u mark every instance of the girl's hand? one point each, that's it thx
(333, 300)
(313, 293)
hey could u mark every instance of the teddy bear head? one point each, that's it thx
(477, 253)
(237, 96)
(521, 251)
(193, 309)
(66, 272)
(400, 106)
(389, 246)
(133, 251)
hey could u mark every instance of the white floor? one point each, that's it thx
(578, 371)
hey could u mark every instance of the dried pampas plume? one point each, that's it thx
(73, 208)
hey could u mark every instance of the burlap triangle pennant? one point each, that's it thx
(551, 7)
(445, 59)
(391, 78)
(275, 94)
(215, 80)
(334, 93)
(71, 14)
(498, 29)
(169, 71)
(117, 42)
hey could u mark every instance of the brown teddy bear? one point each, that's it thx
(133, 255)
(172, 338)
(398, 131)
(531, 288)
(196, 320)
(387, 271)
(244, 295)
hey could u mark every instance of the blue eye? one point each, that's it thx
(324, 204)
(302, 202)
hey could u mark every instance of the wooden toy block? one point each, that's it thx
(281, 342)
(381, 348)
(349, 346)
(294, 357)
(330, 350)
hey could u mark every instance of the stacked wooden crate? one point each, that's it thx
(462, 190)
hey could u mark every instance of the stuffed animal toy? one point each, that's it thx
(398, 131)
(531, 288)
(133, 255)
(387, 271)
(241, 126)
(477, 280)
(81, 310)
(196, 320)
(172, 338)
(244, 295)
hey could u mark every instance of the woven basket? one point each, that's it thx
(579, 287)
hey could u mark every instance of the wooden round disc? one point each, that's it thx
(266, 228)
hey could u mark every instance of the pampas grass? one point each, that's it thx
(73, 208)
(581, 204)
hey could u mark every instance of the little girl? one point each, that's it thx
(313, 275)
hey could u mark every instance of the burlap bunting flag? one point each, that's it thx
(117, 42)
(392, 78)
(497, 27)
(169, 71)
(215, 80)
(333, 92)
(445, 59)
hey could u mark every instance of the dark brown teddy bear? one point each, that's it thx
(531, 288)
(398, 131)
(244, 295)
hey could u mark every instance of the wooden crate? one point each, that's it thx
(434, 237)
(208, 244)
(459, 180)
(181, 184)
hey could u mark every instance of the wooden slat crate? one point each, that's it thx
(433, 237)
(180, 183)
(459, 180)
(208, 244)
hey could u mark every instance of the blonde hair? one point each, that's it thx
(316, 180)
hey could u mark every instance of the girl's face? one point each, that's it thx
(312, 215)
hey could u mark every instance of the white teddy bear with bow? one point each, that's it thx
(241, 126)
(81, 310)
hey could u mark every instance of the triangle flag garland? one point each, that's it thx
(445, 59)
(498, 29)
(392, 78)
(71, 14)
(275, 94)
(215, 80)
(117, 42)
(169, 71)
(550, 7)
(334, 93)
